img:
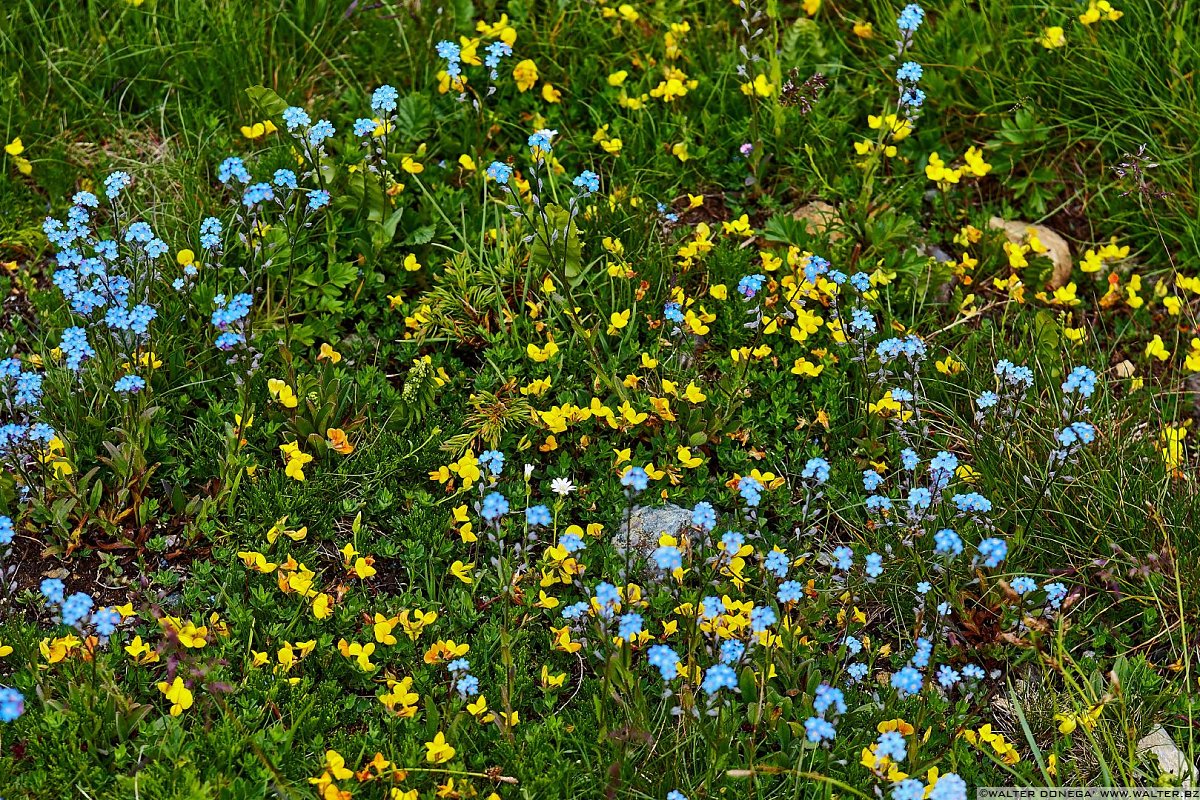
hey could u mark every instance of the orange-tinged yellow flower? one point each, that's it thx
(338, 441)
(327, 353)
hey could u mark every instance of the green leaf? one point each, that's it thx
(342, 274)
(749, 685)
(268, 103)
(414, 117)
(422, 235)
(553, 249)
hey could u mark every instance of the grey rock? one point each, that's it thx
(647, 524)
(1170, 758)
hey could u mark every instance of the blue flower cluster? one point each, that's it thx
(12, 704)
(452, 54)
(495, 505)
(750, 285)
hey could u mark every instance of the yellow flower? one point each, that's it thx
(141, 652)
(498, 30)
(687, 459)
(806, 369)
(975, 165)
(257, 130)
(617, 320)
(680, 151)
(177, 694)
(1156, 349)
(256, 561)
(400, 698)
(360, 653)
(282, 393)
(477, 708)
(936, 170)
(14, 149)
(437, 751)
(334, 768)
(463, 571)
(327, 353)
(550, 94)
(525, 74)
(445, 650)
(322, 606)
(420, 620)
(382, 628)
(552, 681)
(760, 86)
(1052, 37)
(612, 146)
(739, 226)
(294, 460)
(1173, 451)
(617, 78)
(187, 632)
(1100, 10)
(540, 354)
(863, 30)
(949, 365)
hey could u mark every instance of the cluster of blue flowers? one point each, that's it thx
(750, 285)
(910, 98)
(495, 505)
(492, 461)
(910, 18)
(500, 172)
(22, 388)
(452, 54)
(907, 76)
(587, 181)
(1056, 592)
(540, 142)
(75, 610)
(12, 704)
(635, 479)
(129, 384)
(495, 51)
(466, 684)
(537, 515)
(231, 318)
(818, 728)
(750, 490)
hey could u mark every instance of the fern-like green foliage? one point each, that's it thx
(467, 302)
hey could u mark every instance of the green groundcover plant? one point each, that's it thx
(657, 400)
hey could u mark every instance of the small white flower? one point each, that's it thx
(528, 471)
(562, 486)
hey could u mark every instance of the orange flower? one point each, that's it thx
(339, 442)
